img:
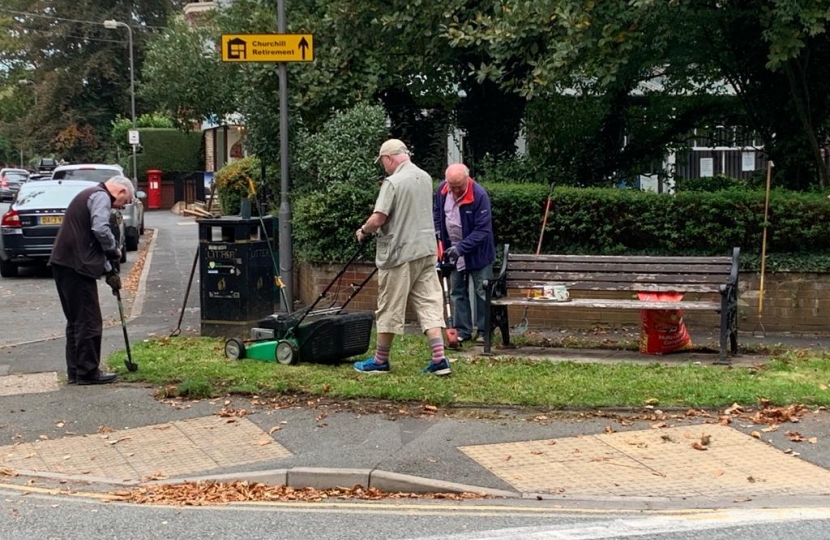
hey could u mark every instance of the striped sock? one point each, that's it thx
(437, 345)
(382, 354)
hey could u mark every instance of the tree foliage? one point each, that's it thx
(79, 69)
(773, 54)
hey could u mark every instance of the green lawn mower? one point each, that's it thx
(330, 336)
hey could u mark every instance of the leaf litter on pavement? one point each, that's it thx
(213, 493)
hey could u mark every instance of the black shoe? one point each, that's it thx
(72, 380)
(100, 377)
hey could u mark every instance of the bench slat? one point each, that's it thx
(634, 287)
(518, 266)
(612, 278)
(610, 304)
(619, 259)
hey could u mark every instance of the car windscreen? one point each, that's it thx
(38, 195)
(95, 175)
(16, 176)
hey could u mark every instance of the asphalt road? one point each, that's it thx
(29, 515)
(30, 309)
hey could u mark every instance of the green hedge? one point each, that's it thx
(607, 221)
(168, 150)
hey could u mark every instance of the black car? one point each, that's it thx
(46, 165)
(10, 180)
(29, 228)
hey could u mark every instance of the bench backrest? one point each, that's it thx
(622, 273)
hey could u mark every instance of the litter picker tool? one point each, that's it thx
(131, 366)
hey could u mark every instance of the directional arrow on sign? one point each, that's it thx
(303, 45)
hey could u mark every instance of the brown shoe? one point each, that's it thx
(100, 377)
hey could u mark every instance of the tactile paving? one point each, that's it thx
(158, 451)
(655, 463)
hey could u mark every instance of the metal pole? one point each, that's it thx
(132, 101)
(286, 248)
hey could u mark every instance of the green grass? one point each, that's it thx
(196, 367)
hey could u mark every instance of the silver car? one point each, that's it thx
(97, 172)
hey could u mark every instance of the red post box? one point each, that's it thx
(153, 189)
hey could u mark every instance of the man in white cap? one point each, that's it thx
(405, 258)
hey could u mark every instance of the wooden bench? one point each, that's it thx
(717, 275)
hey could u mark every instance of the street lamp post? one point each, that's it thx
(112, 25)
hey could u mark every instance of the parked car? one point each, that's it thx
(46, 165)
(10, 180)
(96, 172)
(40, 176)
(28, 230)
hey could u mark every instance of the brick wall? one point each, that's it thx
(798, 303)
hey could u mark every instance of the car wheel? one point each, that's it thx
(131, 239)
(8, 269)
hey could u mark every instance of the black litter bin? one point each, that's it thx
(237, 274)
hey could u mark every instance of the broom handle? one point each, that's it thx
(770, 165)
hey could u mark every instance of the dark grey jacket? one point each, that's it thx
(85, 235)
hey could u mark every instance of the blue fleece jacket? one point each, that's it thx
(477, 246)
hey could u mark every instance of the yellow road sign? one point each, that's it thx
(267, 47)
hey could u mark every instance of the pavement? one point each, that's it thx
(116, 436)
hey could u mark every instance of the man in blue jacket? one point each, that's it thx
(464, 225)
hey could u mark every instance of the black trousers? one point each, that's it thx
(84, 326)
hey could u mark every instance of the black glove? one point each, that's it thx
(114, 281)
(452, 255)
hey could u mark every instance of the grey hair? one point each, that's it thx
(124, 182)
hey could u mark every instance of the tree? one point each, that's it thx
(79, 68)
(772, 54)
(392, 51)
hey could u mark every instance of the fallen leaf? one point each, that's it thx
(609, 429)
(823, 386)
(551, 443)
(697, 446)
(794, 436)
(60, 424)
(659, 425)
(735, 408)
(652, 401)
(718, 473)
(770, 429)
(274, 429)
(725, 420)
(537, 453)
(755, 434)
(812, 440)
(430, 408)
(43, 438)
(745, 499)
(508, 458)
(264, 443)
(105, 429)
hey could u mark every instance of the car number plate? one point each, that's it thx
(51, 220)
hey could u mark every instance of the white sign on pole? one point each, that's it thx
(133, 136)
(748, 161)
(707, 167)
